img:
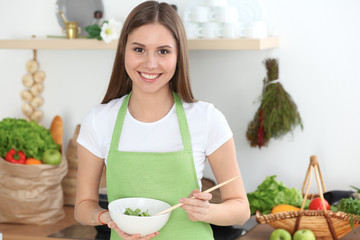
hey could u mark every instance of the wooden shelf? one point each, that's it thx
(233, 44)
(93, 44)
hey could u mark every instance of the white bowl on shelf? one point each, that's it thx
(136, 224)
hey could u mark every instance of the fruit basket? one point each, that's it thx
(325, 224)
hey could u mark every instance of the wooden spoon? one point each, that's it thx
(206, 191)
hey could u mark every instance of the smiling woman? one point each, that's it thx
(154, 137)
(150, 59)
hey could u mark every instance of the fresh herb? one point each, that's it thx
(137, 212)
(357, 189)
(350, 206)
(271, 193)
(29, 137)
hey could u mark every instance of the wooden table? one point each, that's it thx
(37, 232)
(263, 231)
(40, 232)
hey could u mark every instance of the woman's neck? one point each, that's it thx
(150, 107)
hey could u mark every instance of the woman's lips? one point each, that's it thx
(149, 77)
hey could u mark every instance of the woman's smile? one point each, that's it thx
(149, 77)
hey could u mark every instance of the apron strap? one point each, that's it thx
(183, 124)
(181, 116)
(119, 124)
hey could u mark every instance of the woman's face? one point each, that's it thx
(151, 58)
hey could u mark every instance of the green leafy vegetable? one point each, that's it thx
(357, 189)
(29, 137)
(137, 212)
(271, 193)
(350, 206)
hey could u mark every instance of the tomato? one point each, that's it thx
(316, 204)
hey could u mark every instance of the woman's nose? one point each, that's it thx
(151, 61)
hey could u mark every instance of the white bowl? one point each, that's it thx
(135, 224)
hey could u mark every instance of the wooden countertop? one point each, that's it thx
(263, 231)
(40, 232)
(37, 232)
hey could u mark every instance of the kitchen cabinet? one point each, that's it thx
(93, 44)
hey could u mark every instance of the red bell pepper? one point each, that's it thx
(15, 157)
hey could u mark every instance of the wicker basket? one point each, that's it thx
(324, 224)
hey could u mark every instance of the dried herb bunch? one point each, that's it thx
(277, 114)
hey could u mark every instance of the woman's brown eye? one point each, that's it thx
(163, 52)
(140, 50)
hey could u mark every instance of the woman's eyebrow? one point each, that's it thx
(136, 43)
(142, 45)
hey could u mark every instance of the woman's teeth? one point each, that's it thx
(149, 76)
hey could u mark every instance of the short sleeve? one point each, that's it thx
(218, 130)
(87, 135)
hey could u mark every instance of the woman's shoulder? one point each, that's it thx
(104, 110)
(200, 108)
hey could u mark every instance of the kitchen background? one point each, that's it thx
(318, 61)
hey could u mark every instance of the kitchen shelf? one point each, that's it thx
(93, 44)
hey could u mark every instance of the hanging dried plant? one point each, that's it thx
(277, 114)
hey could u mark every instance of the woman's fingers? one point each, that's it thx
(197, 205)
(150, 236)
(126, 236)
(193, 192)
(196, 195)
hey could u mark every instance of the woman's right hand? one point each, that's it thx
(111, 224)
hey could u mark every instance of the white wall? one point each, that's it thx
(318, 55)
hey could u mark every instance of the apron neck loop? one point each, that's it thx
(181, 116)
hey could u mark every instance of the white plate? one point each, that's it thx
(81, 11)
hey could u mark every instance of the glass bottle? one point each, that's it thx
(98, 15)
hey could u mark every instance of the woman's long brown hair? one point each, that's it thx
(151, 12)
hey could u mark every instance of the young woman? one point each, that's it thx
(154, 137)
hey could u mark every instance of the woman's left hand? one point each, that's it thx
(196, 205)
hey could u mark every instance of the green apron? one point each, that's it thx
(165, 176)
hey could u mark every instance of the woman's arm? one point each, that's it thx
(87, 207)
(234, 209)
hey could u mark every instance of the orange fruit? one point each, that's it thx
(284, 208)
(32, 161)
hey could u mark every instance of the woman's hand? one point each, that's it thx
(111, 224)
(196, 205)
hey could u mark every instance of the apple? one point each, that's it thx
(304, 234)
(51, 156)
(280, 234)
(316, 204)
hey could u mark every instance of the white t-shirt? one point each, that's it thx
(208, 130)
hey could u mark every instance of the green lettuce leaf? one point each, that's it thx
(29, 137)
(271, 193)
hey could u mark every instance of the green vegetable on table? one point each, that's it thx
(29, 137)
(350, 206)
(271, 193)
(357, 189)
(137, 212)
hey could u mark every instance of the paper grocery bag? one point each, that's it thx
(31, 194)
